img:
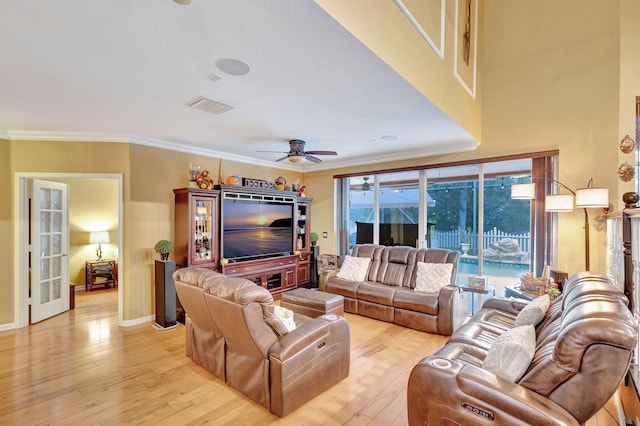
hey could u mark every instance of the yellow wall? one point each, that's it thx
(550, 80)
(555, 75)
(149, 176)
(93, 206)
(6, 234)
(385, 30)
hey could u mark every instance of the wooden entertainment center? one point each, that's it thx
(199, 233)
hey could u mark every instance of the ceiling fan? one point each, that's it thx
(297, 154)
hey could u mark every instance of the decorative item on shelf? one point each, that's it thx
(626, 172)
(99, 237)
(257, 183)
(224, 261)
(301, 191)
(233, 180)
(204, 181)
(553, 293)
(630, 199)
(530, 283)
(313, 237)
(163, 247)
(280, 183)
(627, 145)
(194, 171)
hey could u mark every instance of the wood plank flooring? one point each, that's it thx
(81, 368)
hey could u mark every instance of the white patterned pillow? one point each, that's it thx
(431, 277)
(286, 316)
(354, 268)
(534, 311)
(511, 353)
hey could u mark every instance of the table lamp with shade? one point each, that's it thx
(99, 237)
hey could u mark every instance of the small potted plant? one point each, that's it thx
(163, 247)
(314, 238)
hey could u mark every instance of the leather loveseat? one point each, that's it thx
(233, 332)
(388, 294)
(581, 348)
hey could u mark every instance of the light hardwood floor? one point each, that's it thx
(81, 368)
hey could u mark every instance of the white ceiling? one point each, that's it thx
(124, 70)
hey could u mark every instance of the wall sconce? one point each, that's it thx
(99, 237)
(585, 198)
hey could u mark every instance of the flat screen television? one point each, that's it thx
(256, 228)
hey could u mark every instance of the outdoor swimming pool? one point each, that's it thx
(468, 265)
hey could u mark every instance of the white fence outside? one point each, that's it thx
(451, 239)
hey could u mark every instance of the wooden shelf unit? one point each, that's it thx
(197, 214)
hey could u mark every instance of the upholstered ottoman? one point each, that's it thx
(312, 303)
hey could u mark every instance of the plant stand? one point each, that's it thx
(165, 294)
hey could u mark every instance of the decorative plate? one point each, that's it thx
(627, 145)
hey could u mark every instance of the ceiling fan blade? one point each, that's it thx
(282, 158)
(312, 158)
(322, 152)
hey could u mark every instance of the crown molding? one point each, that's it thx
(39, 135)
(184, 147)
(451, 147)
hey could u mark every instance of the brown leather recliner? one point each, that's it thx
(279, 370)
(584, 346)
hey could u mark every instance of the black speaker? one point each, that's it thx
(313, 267)
(165, 293)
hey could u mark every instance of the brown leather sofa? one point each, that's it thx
(583, 348)
(232, 331)
(388, 293)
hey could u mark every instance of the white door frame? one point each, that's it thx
(21, 247)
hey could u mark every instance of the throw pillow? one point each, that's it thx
(534, 311)
(286, 316)
(354, 268)
(431, 277)
(511, 353)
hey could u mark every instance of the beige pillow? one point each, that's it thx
(511, 353)
(534, 311)
(354, 268)
(286, 316)
(431, 277)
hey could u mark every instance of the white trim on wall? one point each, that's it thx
(439, 50)
(471, 90)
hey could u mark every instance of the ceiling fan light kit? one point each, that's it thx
(297, 154)
(296, 158)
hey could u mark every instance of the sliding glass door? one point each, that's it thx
(464, 207)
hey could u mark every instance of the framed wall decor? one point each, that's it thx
(477, 281)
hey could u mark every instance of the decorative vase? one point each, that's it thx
(164, 256)
(465, 248)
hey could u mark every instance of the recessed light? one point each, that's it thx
(233, 66)
(183, 2)
(389, 138)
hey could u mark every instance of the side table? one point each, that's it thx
(491, 288)
(101, 272)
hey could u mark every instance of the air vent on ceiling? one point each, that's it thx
(209, 105)
(214, 77)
